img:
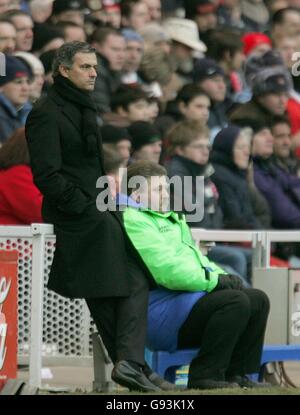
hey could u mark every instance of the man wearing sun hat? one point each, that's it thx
(14, 95)
(185, 43)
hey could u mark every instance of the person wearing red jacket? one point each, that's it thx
(20, 199)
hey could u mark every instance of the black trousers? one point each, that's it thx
(229, 326)
(122, 321)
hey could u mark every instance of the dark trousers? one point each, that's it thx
(229, 326)
(122, 321)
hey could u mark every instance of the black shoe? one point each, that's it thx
(212, 384)
(245, 382)
(161, 383)
(125, 375)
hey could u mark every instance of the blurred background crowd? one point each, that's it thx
(205, 87)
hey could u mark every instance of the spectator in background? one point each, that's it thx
(283, 156)
(47, 60)
(135, 14)
(281, 189)
(68, 11)
(270, 90)
(112, 12)
(23, 24)
(285, 22)
(20, 200)
(226, 48)
(37, 78)
(230, 14)
(7, 37)
(210, 77)
(155, 35)
(110, 46)
(191, 104)
(204, 12)
(287, 46)
(256, 43)
(40, 10)
(14, 95)
(72, 31)
(185, 42)
(146, 142)
(119, 140)
(133, 56)
(154, 9)
(129, 104)
(230, 158)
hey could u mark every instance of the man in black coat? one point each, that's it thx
(93, 258)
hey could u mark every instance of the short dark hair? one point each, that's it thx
(144, 169)
(127, 7)
(279, 16)
(101, 34)
(65, 54)
(279, 119)
(221, 41)
(10, 14)
(14, 150)
(126, 95)
(63, 25)
(189, 92)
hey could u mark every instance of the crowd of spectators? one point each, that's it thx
(204, 87)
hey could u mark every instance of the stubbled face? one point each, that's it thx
(17, 91)
(197, 109)
(282, 140)
(24, 37)
(241, 152)
(214, 87)
(83, 72)
(263, 143)
(7, 38)
(197, 151)
(274, 103)
(114, 51)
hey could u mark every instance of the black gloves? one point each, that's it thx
(229, 282)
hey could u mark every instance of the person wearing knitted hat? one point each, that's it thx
(38, 72)
(68, 11)
(146, 142)
(14, 95)
(256, 43)
(117, 139)
(112, 12)
(133, 56)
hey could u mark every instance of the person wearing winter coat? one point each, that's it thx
(20, 199)
(196, 303)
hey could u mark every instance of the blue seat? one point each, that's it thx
(165, 363)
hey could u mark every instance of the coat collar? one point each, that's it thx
(67, 108)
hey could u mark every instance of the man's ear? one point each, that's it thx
(64, 71)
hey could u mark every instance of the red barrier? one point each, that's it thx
(8, 315)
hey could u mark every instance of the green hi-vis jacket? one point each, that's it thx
(165, 244)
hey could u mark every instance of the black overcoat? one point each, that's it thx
(90, 258)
